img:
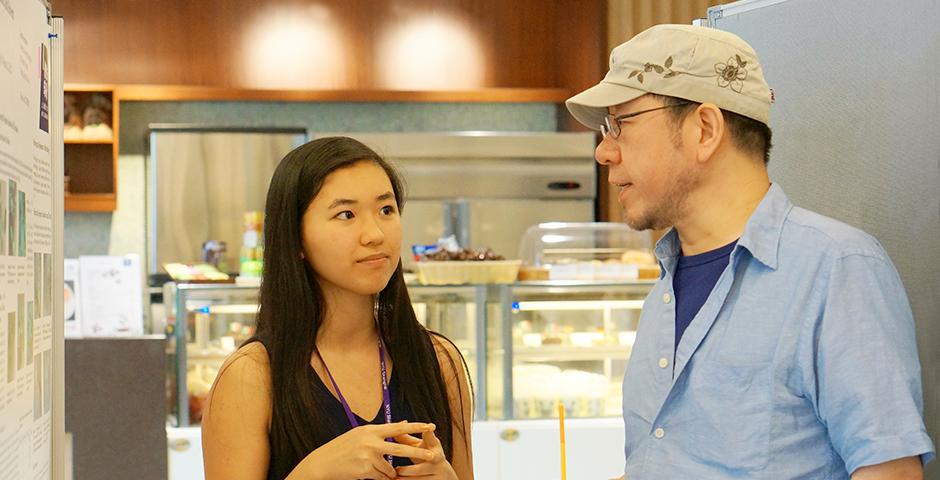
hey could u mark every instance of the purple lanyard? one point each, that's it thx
(386, 398)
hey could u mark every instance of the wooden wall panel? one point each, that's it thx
(523, 43)
(627, 18)
(580, 49)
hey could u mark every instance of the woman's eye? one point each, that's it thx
(388, 210)
(345, 215)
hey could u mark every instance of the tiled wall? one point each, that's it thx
(124, 231)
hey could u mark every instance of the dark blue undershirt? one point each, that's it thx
(696, 276)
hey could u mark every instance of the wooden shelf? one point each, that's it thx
(82, 141)
(91, 163)
(193, 93)
(88, 87)
(90, 202)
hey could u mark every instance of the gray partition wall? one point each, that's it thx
(857, 132)
(115, 407)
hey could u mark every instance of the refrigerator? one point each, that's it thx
(856, 134)
(487, 188)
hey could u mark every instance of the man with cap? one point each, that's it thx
(777, 343)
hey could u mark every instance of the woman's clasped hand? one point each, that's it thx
(361, 452)
(435, 467)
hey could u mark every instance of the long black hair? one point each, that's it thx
(292, 310)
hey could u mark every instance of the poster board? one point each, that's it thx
(31, 350)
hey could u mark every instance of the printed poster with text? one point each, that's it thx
(26, 243)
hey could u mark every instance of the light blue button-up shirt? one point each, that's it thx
(801, 364)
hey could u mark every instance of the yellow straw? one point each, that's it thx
(561, 425)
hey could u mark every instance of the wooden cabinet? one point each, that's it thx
(91, 148)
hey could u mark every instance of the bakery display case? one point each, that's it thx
(573, 319)
(528, 345)
(460, 312)
(566, 341)
(210, 322)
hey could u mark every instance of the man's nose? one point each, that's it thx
(607, 152)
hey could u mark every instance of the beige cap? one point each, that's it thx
(695, 63)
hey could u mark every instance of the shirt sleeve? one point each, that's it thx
(866, 372)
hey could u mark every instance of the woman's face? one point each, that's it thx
(351, 231)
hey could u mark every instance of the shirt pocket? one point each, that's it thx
(732, 418)
(640, 392)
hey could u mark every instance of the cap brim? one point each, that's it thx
(590, 106)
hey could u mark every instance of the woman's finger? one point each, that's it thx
(417, 470)
(383, 470)
(414, 453)
(391, 430)
(412, 442)
(408, 440)
(430, 440)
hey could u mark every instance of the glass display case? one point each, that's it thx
(210, 322)
(561, 341)
(216, 318)
(460, 313)
(567, 342)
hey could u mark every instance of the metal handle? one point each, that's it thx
(564, 185)
(449, 213)
(463, 224)
(179, 445)
(509, 434)
(457, 221)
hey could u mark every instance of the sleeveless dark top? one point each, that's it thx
(337, 424)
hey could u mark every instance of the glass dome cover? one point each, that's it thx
(558, 242)
(587, 251)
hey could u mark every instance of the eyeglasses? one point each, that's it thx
(611, 126)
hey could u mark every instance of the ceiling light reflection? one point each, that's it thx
(295, 48)
(430, 53)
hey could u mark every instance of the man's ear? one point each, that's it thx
(708, 131)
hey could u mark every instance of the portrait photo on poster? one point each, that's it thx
(44, 89)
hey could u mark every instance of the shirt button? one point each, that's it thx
(663, 362)
(667, 298)
(659, 433)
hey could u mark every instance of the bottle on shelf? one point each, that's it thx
(252, 251)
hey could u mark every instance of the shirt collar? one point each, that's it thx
(761, 234)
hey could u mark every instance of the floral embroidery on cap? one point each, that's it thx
(731, 74)
(665, 70)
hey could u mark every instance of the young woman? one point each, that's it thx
(341, 381)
